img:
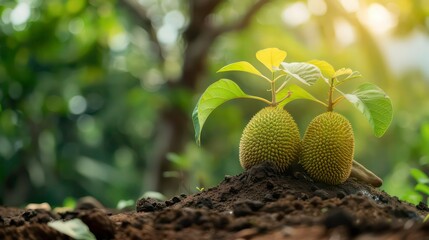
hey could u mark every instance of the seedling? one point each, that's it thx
(272, 134)
(328, 144)
(326, 152)
(421, 189)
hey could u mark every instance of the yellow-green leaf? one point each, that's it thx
(343, 78)
(327, 70)
(242, 66)
(271, 57)
(343, 71)
(296, 93)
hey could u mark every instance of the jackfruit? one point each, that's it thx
(271, 136)
(327, 148)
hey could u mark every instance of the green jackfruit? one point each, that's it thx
(327, 148)
(271, 136)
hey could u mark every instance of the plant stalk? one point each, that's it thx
(259, 98)
(330, 96)
(273, 91)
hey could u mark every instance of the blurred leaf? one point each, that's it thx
(179, 160)
(296, 93)
(419, 175)
(241, 66)
(375, 105)
(325, 68)
(304, 72)
(69, 202)
(343, 71)
(271, 57)
(216, 94)
(423, 188)
(412, 197)
(125, 204)
(343, 78)
(74, 228)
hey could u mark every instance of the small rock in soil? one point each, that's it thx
(87, 203)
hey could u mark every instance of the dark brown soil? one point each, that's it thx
(257, 204)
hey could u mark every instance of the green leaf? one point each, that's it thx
(325, 68)
(423, 188)
(73, 228)
(419, 175)
(271, 57)
(242, 66)
(375, 106)
(412, 196)
(216, 94)
(296, 93)
(304, 72)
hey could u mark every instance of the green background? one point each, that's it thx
(97, 95)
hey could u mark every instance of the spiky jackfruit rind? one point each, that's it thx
(271, 136)
(328, 148)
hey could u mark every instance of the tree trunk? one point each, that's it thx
(174, 126)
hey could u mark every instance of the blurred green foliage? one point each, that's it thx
(81, 90)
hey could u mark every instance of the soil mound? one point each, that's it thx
(256, 204)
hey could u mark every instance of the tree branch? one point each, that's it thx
(202, 37)
(199, 11)
(244, 20)
(143, 20)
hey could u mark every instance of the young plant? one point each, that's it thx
(272, 134)
(328, 143)
(421, 189)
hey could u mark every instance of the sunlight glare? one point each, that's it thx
(378, 19)
(295, 14)
(20, 14)
(350, 5)
(344, 32)
(119, 42)
(77, 105)
(317, 7)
